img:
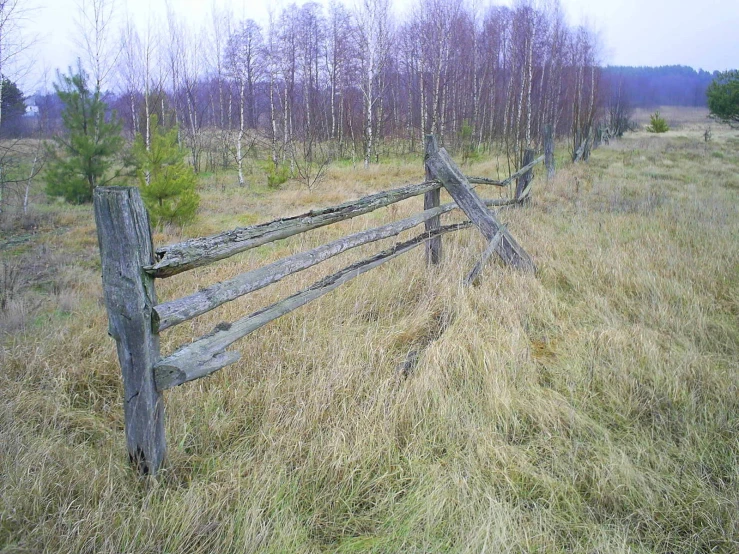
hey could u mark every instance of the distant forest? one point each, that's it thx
(669, 85)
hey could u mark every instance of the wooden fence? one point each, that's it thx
(130, 264)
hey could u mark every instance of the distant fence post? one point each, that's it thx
(523, 181)
(124, 237)
(549, 150)
(432, 199)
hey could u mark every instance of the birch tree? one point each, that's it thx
(373, 19)
(242, 56)
(95, 25)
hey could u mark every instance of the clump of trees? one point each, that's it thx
(12, 109)
(19, 161)
(723, 97)
(319, 84)
(671, 85)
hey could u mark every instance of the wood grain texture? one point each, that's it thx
(432, 199)
(523, 183)
(183, 256)
(208, 354)
(124, 237)
(485, 181)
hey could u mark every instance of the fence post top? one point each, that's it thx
(113, 188)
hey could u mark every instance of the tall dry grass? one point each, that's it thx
(590, 408)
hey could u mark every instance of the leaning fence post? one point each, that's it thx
(124, 237)
(523, 181)
(549, 150)
(432, 199)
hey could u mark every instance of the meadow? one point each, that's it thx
(592, 407)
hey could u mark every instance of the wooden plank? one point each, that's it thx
(492, 247)
(523, 183)
(521, 171)
(484, 181)
(508, 180)
(197, 252)
(169, 314)
(432, 199)
(124, 237)
(444, 169)
(207, 354)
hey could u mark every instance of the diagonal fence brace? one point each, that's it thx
(443, 168)
(492, 246)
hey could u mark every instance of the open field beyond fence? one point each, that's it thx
(592, 407)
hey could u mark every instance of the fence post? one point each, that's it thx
(124, 237)
(549, 150)
(523, 181)
(432, 199)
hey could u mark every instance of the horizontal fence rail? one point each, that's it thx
(207, 354)
(193, 253)
(169, 314)
(131, 264)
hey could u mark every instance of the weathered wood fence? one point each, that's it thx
(130, 264)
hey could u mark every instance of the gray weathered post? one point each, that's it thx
(549, 150)
(432, 199)
(124, 236)
(523, 181)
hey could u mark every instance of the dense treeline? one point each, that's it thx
(670, 85)
(317, 83)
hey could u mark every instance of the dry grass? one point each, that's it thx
(592, 408)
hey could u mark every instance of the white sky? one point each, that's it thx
(701, 34)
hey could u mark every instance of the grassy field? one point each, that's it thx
(593, 407)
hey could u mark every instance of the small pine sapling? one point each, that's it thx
(83, 157)
(657, 124)
(167, 184)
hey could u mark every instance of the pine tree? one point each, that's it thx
(13, 108)
(167, 184)
(84, 156)
(657, 124)
(723, 97)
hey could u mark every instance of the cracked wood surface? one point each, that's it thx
(124, 237)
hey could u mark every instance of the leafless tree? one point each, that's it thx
(321, 79)
(373, 18)
(95, 28)
(15, 43)
(586, 82)
(218, 33)
(338, 56)
(243, 57)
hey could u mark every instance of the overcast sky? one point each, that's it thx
(702, 34)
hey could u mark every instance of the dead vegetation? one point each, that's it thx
(589, 408)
